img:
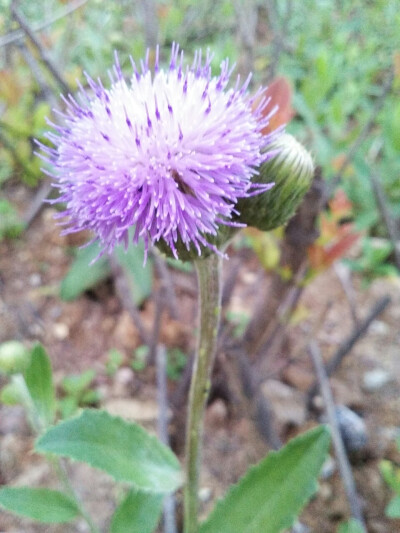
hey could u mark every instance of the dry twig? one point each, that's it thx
(161, 366)
(43, 54)
(348, 344)
(344, 464)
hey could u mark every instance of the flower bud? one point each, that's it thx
(291, 169)
(14, 357)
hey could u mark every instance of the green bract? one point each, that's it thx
(292, 171)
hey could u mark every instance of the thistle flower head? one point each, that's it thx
(169, 153)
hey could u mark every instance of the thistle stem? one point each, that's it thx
(209, 281)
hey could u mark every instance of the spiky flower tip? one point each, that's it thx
(168, 153)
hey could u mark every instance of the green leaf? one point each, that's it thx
(82, 275)
(138, 513)
(76, 384)
(351, 526)
(39, 381)
(123, 450)
(139, 276)
(393, 508)
(49, 506)
(272, 493)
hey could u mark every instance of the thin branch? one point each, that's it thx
(348, 344)
(246, 383)
(19, 35)
(42, 52)
(166, 280)
(386, 217)
(37, 203)
(159, 304)
(161, 366)
(37, 74)
(348, 289)
(344, 464)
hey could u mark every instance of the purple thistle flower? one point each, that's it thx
(169, 153)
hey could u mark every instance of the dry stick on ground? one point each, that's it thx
(344, 276)
(124, 293)
(344, 465)
(167, 283)
(386, 217)
(161, 367)
(159, 305)
(42, 52)
(348, 344)
(19, 35)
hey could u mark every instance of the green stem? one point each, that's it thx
(63, 477)
(209, 280)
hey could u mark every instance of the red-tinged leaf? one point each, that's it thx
(280, 93)
(339, 249)
(340, 205)
(321, 257)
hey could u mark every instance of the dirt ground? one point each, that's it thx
(78, 335)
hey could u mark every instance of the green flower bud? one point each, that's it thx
(292, 170)
(14, 357)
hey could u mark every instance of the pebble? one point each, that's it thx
(205, 494)
(328, 468)
(35, 280)
(352, 428)
(135, 410)
(123, 382)
(60, 331)
(375, 380)
(217, 412)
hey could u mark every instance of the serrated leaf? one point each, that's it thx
(39, 381)
(124, 450)
(269, 497)
(138, 275)
(45, 505)
(352, 526)
(82, 275)
(393, 508)
(138, 513)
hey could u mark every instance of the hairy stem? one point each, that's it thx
(209, 280)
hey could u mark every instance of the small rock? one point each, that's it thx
(123, 381)
(217, 412)
(298, 377)
(298, 527)
(379, 327)
(130, 409)
(287, 404)
(125, 332)
(205, 494)
(328, 468)
(60, 331)
(352, 428)
(35, 280)
(11, 450)
(325, 491)
(375, 380)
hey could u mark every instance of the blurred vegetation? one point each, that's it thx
(341, 58)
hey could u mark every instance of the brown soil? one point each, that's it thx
(79, 334)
